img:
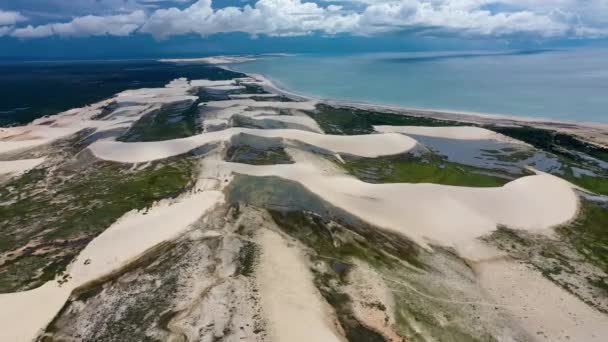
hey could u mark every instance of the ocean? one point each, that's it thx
(569, 85)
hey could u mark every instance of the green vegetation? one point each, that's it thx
(352, 121)
(57, 214)
(250, 88)
(567, 148)
(32, 90)
(425, 169)
(335, 244)
(170, 122)
(599, 185)
(552, 141)
(247, 258)
(278, 98)
(250, 155)
(140, 311)
(341, 241)
(589, 234)
(577, 260)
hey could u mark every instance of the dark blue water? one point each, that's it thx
(566, 85)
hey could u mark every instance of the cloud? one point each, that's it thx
(8, 18)
(466, 18)
(114, 25)
(270, 17)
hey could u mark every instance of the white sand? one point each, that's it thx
(544, 309)
(302, 120)
(133, 104)
(304, 105)
(294, 309)
(456, 132)
(447, 215)
(19, 166)
(370, 145)
(123, 242)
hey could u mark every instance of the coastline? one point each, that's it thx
(591, 131)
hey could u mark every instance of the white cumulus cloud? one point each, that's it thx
(114, 25)
(9, 18)
(494, 18)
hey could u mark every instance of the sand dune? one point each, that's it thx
(371, 145)
(19, 166)
(456, 132)
(305, 105)
(442, 214)
(123, 242)
(292, 304)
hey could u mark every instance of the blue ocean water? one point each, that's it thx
(556, 84)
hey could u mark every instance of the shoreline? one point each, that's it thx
(593, 132)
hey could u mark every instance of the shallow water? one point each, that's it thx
(566, 84)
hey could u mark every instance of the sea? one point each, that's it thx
(568, 85)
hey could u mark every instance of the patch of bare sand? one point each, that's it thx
(294, 309)
(19, 166)
(448, 132)
(544, 309)
(373, 303)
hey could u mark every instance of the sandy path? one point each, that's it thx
(123, 242)
(293, 307)
(370, 145)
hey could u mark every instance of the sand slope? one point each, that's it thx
(372, 145)
(292, 304)
(456, 132)
(123, 242)
(447, 215)
(19, 166)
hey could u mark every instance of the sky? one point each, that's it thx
(54, 29)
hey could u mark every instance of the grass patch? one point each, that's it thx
(425, 169)
(250, 155)
(589, 234)
(352, 121)
(247, 258)
(170, 122)
(67, 209)
(599, 185)
(552, 141)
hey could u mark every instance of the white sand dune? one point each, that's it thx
(450, 132)
(304, 105)
(447, 215)
(19, 166)
(291, 303)
(209, 83)
(300, 120)
(132, 105)
(370, 145)
(123, 242)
